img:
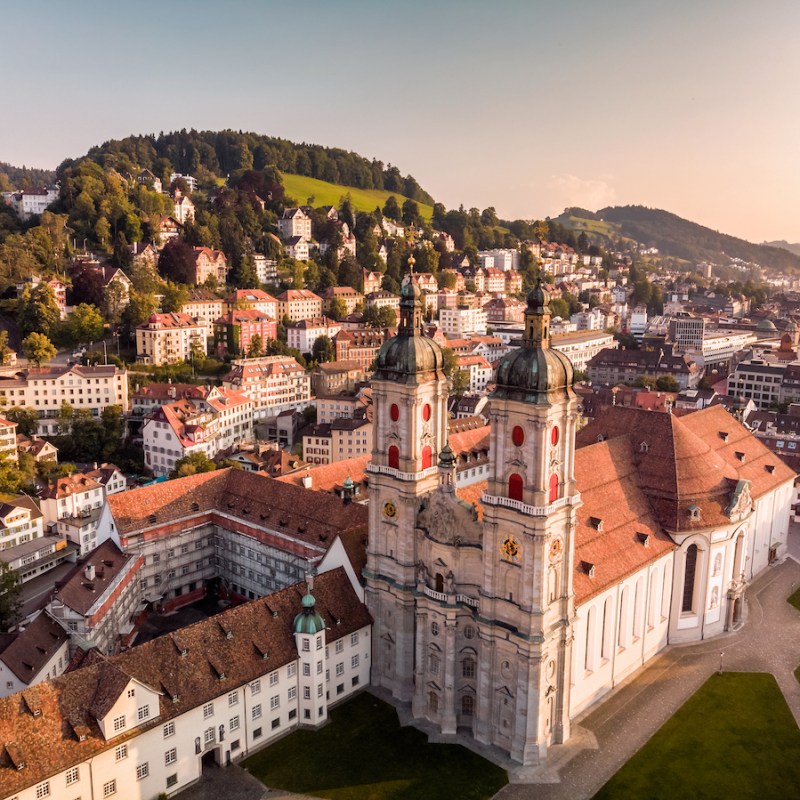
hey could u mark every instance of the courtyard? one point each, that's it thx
(735, 737)
(364, 754)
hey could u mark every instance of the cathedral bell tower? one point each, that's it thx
(528, 546)
(409, 391)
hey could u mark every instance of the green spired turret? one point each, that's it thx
(309, 620)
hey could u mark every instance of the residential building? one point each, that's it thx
(220, 420)
(372, 281)
(299, 304)
(504, 259)
(346, 405)
(504, 309)
(234, 332)
(8, 442)
(168, 228)
(203, 306)
(495, 281)
(143, 254)
(360, 345)
(336, 376)
(35, 653)
(302, 335)
(40, 449)
(170, 338)
(209, 263)
(148, 398)
(349, 296)
(461, 321)
(637, 322)
(71, 507)
(295, 223)
(191, 181)
(625, 366)
(329, 442)
(183, 208)
(274, 383)
(21, 521)
(33, 202)
(45, 389)
(382, 298)
(266, 268)
(297, 247)
(581, 346)
(99, 601)
(763, 383)
(479, 371)
(253, 298)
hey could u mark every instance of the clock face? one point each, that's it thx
(511, 548)
(389, 509)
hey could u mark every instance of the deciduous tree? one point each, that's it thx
(38, 348)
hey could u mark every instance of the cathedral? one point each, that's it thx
(589, 552)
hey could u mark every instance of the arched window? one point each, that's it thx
(426, 457)
(433, 664)
(467, 705)
(394, 412)
(515, 486)
(518, 436)
(426, 412)
(688, 579)
(468, 667)
(553, 488)
(394, 457)
(588, 655)
(554, 435)
(433, 703)
(439, 582)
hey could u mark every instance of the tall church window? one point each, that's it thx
(515, 486)
(394, 412)
(426, 457)
(433, 703)
(439, 582)
(394, 457)
(518, 436)
(426, 412)
(468, 667)
(553, 488)
(467, 705)
(688, 579)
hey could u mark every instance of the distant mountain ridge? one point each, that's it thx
(23, 177)
(676, 237)
(782, 243)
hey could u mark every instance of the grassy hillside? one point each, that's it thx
(301, 188)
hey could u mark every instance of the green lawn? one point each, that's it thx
(329, 194)
(735, 738)
(794, 599)
(364, 754)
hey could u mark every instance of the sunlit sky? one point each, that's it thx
(528, 106)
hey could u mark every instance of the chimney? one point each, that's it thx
(307, 481)
(89, 572)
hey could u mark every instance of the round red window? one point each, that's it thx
(518, 436)
(394, 412)
(426, 412)
(554, 435)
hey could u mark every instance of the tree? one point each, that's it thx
(27, 419)
(192, 465)
(411, 213)
(87, 287)
(337, 309)
(174, 295)
(38, 311)
(176, 261)
(387, 317)
(85, 324)
(38, 348)
(391, 209)
(5, 350)
(449, 361)
(256, 347)
(114, 302)
(667, 383)
(323, 350)
(459, 383)
(10, 596)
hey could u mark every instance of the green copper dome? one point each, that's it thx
(309, 620)
(535, 373)
(405, 358)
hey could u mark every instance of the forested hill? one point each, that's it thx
(216, 154)
(23, 177)
(680, 238)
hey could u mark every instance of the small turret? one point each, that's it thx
(309, 621)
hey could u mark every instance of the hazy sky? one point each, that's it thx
(528, 106)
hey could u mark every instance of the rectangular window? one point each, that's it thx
(209, 736)
(339, 645)
(43, 789)
(307, 692)
(340, 669)
(143, 712)
(208, 710)
(121, 752)
(354, 639)
(255, 687)
(319, 690)
(293, 714)
(169, 730)
(172, 780)
(170, 757)
(72, 775)
(291, 670)
(257, 733)
(257, 711)
(274, 702)
(142, 771)
(119, 723)
(109, 788)
(234, 723)
(354, 661)
(273, 678)
(233, 698)
(292, 692)
(276, 723)
(306, 646)
(306, 669)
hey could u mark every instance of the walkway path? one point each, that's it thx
(768, 642)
